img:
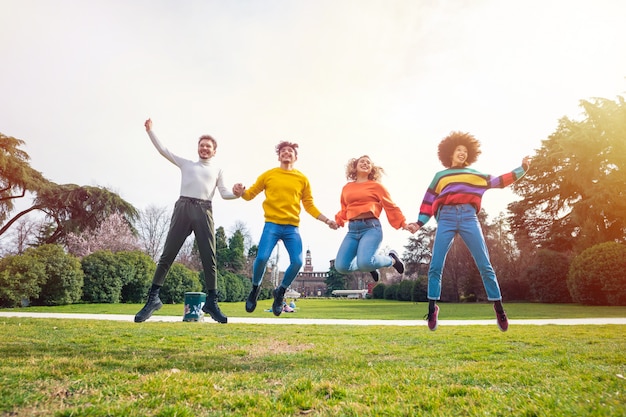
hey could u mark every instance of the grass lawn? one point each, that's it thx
(58, 367)
(341, 308)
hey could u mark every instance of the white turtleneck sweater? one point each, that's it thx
(199, 179)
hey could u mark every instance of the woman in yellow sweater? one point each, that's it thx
(362, 202)
(286, 189)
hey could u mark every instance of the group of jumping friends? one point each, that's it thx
(453, 198)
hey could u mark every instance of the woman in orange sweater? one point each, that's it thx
(362, 200)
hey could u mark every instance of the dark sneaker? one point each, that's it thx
(397, 264)
(277, 305)
(503, 322)
(375, 275)
(211, 308)
(252, 298)
(432, 318)
(153, 304)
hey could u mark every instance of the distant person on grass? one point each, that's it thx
(363, 199)
(454, 198)
(192, 213)
(286, 191)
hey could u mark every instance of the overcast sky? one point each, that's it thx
(387, 78)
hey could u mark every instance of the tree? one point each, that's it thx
(113, 234)
(334, 281)
(72, 208)
(547, 277)
(152, 226)
(16, 175)
(22, 236)
(237, 259)
(574, 195)
(418, 253)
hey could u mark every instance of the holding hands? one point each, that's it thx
(238, 189)
(412, 227)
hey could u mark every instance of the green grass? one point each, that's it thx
(58, 367)
(338, 308)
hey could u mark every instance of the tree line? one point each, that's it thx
(561, 241)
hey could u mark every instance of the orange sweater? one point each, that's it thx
(368, 197)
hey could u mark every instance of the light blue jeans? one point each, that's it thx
(272, 233)
(358, 249)
(462, 220)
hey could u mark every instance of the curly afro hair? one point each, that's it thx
(374, 175)
(285, 143)
(454, 139)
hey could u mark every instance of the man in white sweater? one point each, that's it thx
(192, 213)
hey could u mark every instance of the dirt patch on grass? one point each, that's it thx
(278, 347)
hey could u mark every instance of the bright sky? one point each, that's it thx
(343, 78)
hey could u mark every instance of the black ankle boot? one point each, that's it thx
(153, 304)
(252, 297)
(211, 308)
(277, 305)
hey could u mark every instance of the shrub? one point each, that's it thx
(547, 277)
(391, 292)
(179, 280)
(103, 278)
(21, 278)
(378, 292)
(136, 282)
(64, 277)
(598, 275)
(405, 290)
(231, 287)
(420, 289)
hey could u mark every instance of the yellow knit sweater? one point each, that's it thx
(285, 190)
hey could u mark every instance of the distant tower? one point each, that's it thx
(308, 266)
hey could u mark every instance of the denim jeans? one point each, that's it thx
(462, 220)
(358, 249)
(272, 233)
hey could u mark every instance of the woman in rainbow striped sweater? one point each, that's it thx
(453, 198)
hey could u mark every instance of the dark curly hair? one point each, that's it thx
(454, 139)
(283, 144)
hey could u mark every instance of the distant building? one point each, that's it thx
(313, 284)
(308, 282)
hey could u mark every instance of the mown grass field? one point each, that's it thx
(59, 367)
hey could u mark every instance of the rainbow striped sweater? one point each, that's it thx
(461, 186)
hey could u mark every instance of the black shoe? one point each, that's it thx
(375, 275)
(277, 305)
(211, 308)
(398, 264)
(252, 298)
(153, 304)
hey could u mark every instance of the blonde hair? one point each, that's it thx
(374, 175)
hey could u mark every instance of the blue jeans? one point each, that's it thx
(272, 233)
(358, 249)
(461, 219)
